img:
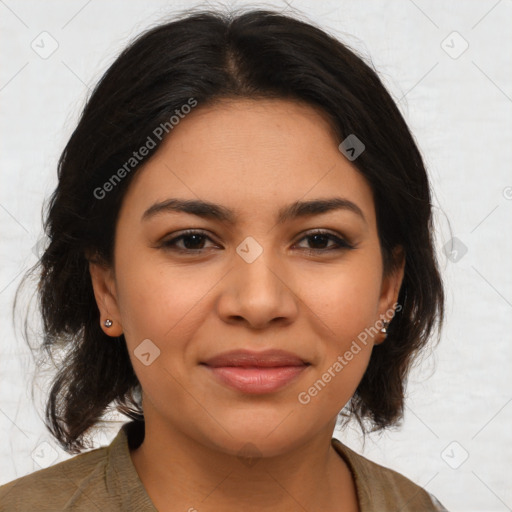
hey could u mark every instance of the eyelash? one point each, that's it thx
(341, 244)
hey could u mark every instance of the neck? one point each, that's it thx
(180, 473)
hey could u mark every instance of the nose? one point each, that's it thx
(258, 293)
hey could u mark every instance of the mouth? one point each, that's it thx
(256, 372)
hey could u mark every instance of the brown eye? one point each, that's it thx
(192, 241)
(321, 239)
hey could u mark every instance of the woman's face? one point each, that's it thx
(254, 278)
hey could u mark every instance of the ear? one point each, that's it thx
(390, 289)
(104, 287)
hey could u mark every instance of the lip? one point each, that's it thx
(264, 359)
(256, 372)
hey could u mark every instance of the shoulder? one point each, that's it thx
(101, 479)
(381, 489)
(55, 487)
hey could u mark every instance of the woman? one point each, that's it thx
(240, 248)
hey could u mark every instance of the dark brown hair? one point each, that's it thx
(209, 56)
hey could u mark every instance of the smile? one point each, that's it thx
(256, 373)
(257, 380)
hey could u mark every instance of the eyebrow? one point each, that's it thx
(212, 211)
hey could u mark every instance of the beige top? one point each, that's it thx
(105, 479)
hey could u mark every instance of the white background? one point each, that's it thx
(460, 111)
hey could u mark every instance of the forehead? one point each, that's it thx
(252, 156)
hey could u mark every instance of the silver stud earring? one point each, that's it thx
(108, 323)
(384, 329)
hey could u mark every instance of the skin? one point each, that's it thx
(253, 157)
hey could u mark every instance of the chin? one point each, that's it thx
(264, 436)
(250, 448)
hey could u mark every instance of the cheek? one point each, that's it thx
(346, 300)
(347, 304)
(164, 303)
(344, 310)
